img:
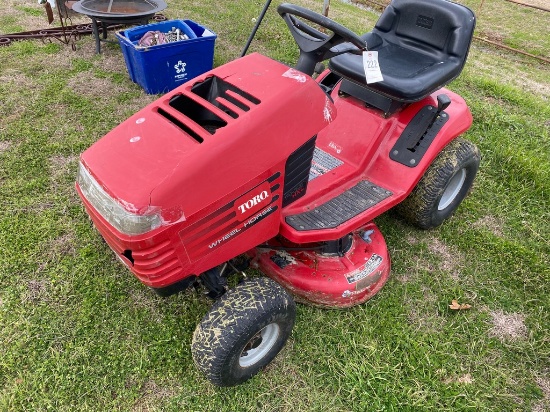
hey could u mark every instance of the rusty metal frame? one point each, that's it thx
(503, 46)
(528, 5)
(64, 34)
(46, 35)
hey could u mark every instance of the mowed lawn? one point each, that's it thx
(78, 332)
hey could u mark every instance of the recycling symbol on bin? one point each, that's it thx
(180, 66)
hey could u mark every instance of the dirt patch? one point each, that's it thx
(376, 6)
(62, 162)
(402, 277)
(493, 101)
(411, 240)
(417, 266)
(151, 395)
(134, 105)
(4, 147)
(85, 84)
(37, 291)
(64, 245)
(492, 36)
(424, 319)
(490, 223)
(97, 88)
(33, 208)
(61, 165)
(424, 315)
(18, 103)
(295, 386)
(67, 124)
(508, 326)
(450, 259)
(111, 60)
(63, 171)
(144, 299)
(544, 385)
(465, 379)
(44, 63)
(16, 80)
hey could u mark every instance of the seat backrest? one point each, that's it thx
(422, 45)
(438, 27)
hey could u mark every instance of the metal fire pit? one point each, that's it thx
(107, 12)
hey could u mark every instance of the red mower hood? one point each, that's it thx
(209, 136)
(130, 161)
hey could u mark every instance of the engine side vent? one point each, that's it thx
(297, 172)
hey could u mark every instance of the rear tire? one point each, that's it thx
(243, 331)
(443, 187)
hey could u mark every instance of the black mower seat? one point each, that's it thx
(422, 45)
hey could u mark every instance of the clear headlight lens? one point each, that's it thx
(112, 211)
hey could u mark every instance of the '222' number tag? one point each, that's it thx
(373, 73)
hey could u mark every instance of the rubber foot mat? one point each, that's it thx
(342, 208)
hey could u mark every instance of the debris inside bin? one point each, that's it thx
(153, 38)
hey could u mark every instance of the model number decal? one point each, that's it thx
(371, 265)
(322, 163)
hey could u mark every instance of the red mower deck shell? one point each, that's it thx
(330, 281)
(149, 163)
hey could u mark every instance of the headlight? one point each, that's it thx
(112, 211)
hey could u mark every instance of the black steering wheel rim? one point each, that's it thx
(310, 40)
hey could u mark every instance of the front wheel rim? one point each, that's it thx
(259, 345)
(452, 190)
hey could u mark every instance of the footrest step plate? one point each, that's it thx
(342, 208)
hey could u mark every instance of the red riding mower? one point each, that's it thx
(255, 164)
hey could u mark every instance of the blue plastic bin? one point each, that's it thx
(163, 67)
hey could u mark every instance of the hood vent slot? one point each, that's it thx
(199, 114)
(223, 95)
(180, 124)
(217, 91)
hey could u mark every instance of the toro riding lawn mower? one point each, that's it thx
(255, 164)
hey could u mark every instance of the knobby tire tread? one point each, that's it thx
(218, 339)
(420, 207)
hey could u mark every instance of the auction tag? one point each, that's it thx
(371, 66)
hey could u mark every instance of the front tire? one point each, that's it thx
(243, 331)
(443, 187)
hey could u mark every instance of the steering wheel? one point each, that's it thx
(314, 45)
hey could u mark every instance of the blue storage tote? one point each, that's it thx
(163, 67)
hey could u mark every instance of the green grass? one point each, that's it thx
(78, 332)
(9, 24)
(32, 11)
